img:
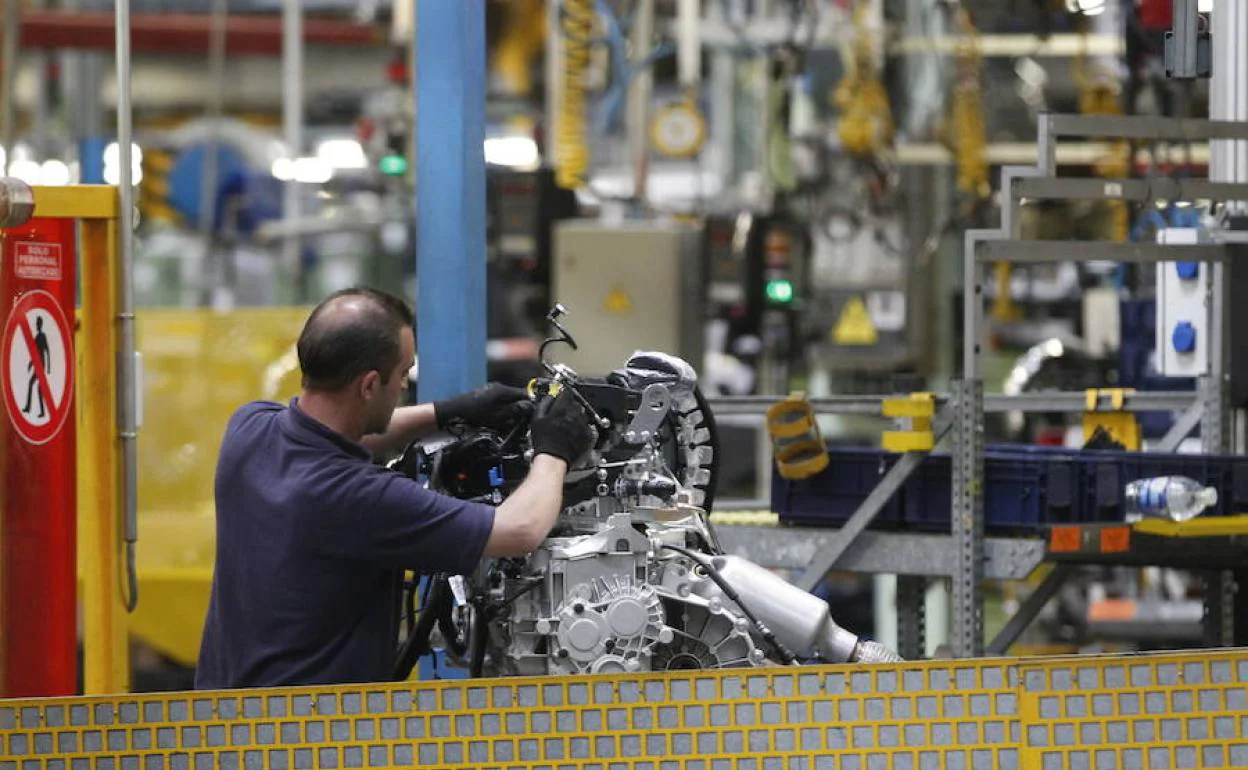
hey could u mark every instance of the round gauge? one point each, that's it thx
(678, 130)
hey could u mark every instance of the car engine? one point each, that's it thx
(632, 578)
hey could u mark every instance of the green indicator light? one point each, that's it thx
(393, 165)
(780, 291)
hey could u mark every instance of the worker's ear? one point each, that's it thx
(370, 384)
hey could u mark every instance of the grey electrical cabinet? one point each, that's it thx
(628, 286)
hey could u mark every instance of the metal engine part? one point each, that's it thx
(627, 580)
(801, 622)
(600, 607)
(618, 601)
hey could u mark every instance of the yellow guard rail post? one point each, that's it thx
(106, 658)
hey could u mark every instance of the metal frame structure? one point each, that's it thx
(966, 556)
(1004, 244)
(915, 558)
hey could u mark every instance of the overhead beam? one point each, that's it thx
(189, 34)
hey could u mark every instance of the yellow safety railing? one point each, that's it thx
(100, 530)
(1169, 710)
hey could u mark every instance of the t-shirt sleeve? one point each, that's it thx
(399, 523)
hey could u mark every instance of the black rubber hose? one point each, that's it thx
(476, 642)
(417, 642)
(446, 622)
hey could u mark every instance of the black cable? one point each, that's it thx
(477, 638)
(446, 623)
(417, 642)
(782, 653)
(409, 601)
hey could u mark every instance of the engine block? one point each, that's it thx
(605, 603)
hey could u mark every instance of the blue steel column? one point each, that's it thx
(450, 196)
(450, 209)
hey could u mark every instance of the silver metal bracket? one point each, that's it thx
(656, 401)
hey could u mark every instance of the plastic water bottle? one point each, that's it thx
(1177, 498)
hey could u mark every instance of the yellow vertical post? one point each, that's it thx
(106, 658)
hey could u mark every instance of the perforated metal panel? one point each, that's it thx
(1137, 713)
(1134, 712)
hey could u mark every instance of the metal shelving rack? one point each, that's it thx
(1208, 407)
(966, 556)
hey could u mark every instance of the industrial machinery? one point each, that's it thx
(640, 284)
(633, 577)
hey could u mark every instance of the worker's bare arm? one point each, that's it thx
(524, 519)
(409, 423)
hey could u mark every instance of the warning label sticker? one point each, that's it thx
(854, 327)
(618, 302)
(37, 361)
(37, 261)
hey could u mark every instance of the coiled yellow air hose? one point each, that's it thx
(970, 138)
(571, 136)
(970, 146)
(866, 125)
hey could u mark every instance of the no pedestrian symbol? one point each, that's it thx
(38, 371)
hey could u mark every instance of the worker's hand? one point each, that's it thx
(493, 406)
(561, 428)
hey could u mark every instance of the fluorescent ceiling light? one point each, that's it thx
(112, 159)
(512, 151)
(54, 173)
(26, 170)
(342, 154)
(306, 170)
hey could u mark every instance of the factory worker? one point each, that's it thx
(313, 536)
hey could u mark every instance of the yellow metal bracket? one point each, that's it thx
(1217, 526)
(1122, 426)
(76, 202)
(795, 438)
(912, 416)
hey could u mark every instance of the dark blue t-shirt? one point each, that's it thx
(312, 541)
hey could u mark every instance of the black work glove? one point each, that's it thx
(492, 406)
(560, 428)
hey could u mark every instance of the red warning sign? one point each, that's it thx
(37, 261)
(38, 370)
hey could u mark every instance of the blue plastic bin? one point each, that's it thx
(1025, 488)
(1106, 475)
(831, 497)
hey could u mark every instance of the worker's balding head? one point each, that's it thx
(352, 332)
